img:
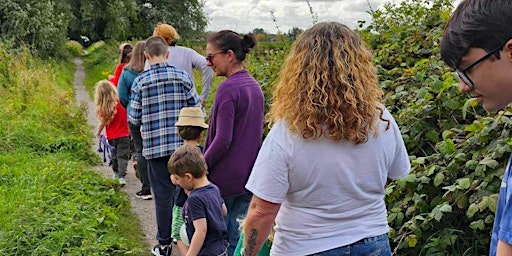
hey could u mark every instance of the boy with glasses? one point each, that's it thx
(477, 42)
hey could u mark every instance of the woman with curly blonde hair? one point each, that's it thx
(115, 122)
(322, 169)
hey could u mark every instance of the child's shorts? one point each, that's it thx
(177, 222)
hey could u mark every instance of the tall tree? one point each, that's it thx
(186, 16)
(38, 23)
(99, 20)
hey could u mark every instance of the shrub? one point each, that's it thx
(458, 152)
(75, 48)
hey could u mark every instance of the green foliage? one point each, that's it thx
(75, 48)
(99, 62)
(38, 23)
(52, 206)
(264, 65)
(102, 20)
(51, 203)
(46, 25)
(186, 16)
(446, 205)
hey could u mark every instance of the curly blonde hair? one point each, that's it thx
(105, 99)
(328, 86)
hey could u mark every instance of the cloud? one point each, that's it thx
(245, 15)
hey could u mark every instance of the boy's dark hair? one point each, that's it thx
(190, 132)
(155, 46)
(226, 40)
(187, 159)
(476, 23)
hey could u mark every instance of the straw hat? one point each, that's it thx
(167, 32)
(191, 117)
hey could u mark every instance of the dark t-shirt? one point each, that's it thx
(205, 202)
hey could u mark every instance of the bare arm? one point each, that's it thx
(258, 224)
(198, 237)
(503, 249)
(224, 210)
(99, 129)
(198, 61)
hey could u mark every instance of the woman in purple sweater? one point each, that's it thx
(236, 125)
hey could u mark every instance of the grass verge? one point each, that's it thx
(52, 202)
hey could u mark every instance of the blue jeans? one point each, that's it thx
(371, 246)
(163, 192)
(237, 208)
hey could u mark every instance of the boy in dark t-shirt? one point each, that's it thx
(204, 208)
(191, 126)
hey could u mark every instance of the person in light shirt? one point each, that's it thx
(322, 169)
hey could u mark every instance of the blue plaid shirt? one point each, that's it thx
(158, 95)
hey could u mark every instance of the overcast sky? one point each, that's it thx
(245, 15)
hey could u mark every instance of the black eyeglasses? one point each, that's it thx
(462, 73)
(210, 57)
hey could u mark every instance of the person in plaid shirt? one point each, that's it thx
(158, 95)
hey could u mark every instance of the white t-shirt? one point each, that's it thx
(331, 193)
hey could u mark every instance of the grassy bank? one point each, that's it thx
(52, 202)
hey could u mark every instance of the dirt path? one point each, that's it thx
(145, 209)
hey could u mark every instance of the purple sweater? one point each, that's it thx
(235, 133)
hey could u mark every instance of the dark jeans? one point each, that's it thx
(371, 246)
(237, 208)
(142, 165)
(121, 155)
(163, 192)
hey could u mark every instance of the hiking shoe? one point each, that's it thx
(122, 181)
(144, 195)
(166, 250)
(135, 165)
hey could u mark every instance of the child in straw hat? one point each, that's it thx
(191, 126)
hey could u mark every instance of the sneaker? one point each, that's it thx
(122, 181)
(144, 195)
(115, 176)
(136, 169)
(166, 250)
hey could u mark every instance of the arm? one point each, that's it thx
(224, 210)
(135, 110)
(223, 133)
(198, 61)
(258, 224)
(503, 249)
(99, 129)
(123, 90)
(117, 73)
(198, 237)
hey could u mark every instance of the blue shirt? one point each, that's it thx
(158, 95)
(502, 229)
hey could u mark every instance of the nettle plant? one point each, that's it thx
(458, 151)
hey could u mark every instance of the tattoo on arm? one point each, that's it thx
(251, 242)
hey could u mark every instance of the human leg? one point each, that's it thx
(141, 160)
(122, 155)
(237, 208)
(163, 192)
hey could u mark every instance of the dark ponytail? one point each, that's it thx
(227, 40)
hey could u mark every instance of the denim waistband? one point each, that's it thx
(372, 239)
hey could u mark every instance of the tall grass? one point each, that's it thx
(51, 201)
